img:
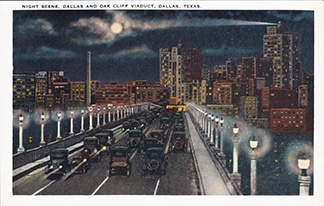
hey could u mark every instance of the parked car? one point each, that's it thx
(155, 161)
(119, 161)
(178, 141)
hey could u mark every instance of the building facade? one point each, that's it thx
(284, 50)
(24, 94)
(288, 120)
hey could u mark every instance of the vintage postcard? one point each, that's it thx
(141, 101)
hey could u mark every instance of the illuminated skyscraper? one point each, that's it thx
(284, 50)
(181, 67)
(171, 71)
(24, 91)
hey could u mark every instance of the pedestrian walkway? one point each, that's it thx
(211, 180)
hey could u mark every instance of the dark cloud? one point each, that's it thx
(61, 39)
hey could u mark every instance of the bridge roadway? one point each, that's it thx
(196, 172)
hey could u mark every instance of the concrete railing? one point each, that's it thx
(20, 159)
(232, 186)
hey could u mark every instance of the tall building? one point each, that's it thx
(264, 67)
(61, 92)
(77, 91)
(171, 71)
(219, 73)
(24, 91)
(192, 64)
(249, 68)
(42, 87)
(284, 50)
(179, 68)
(231, 67)
(198, 92)
(276, 98)
(248, 107)
(222, 94)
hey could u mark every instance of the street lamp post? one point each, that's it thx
(208, 125)
(118, 113)
(253, 157)
(109, 115)
(236, 176)
(58, 126)
(21, 122)
(216, 133)
(82, 121)
(114, 114)
(42, 142)
(98, 116)
(211, 129)
(104, 116)
(121, 112)
(304, 179)
(221, 154)
(71, 123)
(205, 123)
(201, 119)
(90, 118)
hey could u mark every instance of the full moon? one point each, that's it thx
(116, 28)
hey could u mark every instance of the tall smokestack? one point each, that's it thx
(88, 86)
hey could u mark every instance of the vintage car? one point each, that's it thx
(134, 124)
(149, 142)
(178, 141)
(135, 137)
(164, 122)
(81, 163)
(106, 139)
(178, 128)
(155, 161)
(119, 161)
(142, 121)
(127, 125)
(157, 133)
(92, 149)
(59, 162)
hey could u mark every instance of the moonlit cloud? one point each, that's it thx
(45, 52)
(90, 31)
(141, 51)
(36, 27)
(292, 16)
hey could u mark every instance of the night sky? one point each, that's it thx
(125, 44)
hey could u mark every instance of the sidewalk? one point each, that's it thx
(211, 180)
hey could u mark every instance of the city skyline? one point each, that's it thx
(125, 44)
